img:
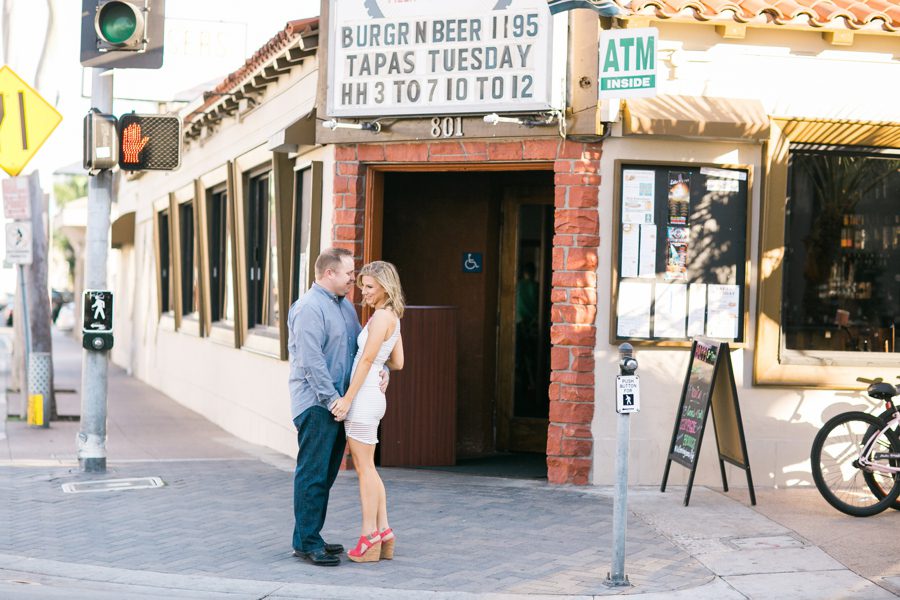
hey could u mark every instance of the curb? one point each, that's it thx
(74, 576)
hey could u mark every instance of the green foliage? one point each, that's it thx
(69, 187)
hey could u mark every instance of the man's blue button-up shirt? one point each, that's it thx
(322, 344)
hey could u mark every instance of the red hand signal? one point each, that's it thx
(133, 143)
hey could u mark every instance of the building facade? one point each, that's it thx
(516, 215)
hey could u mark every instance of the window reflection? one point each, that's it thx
(842, 261)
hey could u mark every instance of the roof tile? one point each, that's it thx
(853, 14)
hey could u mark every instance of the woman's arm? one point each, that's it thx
(395, 360)
(378, 326)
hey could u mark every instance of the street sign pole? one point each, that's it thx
(94, 373)
(27, 349)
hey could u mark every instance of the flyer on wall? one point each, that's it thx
(633, 309)
(676, 253)
(630, 244)
(679, 197)
(723, 311)
(696, 309)
(647, 266)
(638, 188)
(670, 310)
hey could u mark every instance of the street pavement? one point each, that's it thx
(220, 525)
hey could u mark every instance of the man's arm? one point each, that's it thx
(309, 323)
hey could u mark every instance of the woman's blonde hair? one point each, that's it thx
(387, 277)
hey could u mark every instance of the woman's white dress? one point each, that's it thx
(369, 405)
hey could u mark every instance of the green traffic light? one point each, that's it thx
(117, 22)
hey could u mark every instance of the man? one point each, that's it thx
(323, 327)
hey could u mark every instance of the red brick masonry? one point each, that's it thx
(573, 333)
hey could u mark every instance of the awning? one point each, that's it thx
(696, 116)
(841, 133)
(122, 233)
(301, 132)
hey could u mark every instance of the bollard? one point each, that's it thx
(627, 402)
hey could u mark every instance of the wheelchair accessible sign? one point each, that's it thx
(472, 262)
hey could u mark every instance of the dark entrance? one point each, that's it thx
(481, 242)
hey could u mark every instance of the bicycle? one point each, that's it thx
(855, 457)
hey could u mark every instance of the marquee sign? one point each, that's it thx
(415, 57)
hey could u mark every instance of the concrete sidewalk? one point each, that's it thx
(220, 526)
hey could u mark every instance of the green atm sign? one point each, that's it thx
(628, 62)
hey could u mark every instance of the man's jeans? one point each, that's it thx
(321, 445)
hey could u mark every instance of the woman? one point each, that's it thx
(363, 406)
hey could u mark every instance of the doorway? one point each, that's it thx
(480, 241)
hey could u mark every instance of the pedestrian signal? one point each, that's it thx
(149, 142)
(98, 311)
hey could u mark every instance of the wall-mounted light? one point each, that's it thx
(373, 126)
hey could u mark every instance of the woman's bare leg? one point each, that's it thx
(369, 482)
(382, 505)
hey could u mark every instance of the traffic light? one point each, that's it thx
(122, 33)
(149, 142)
(121, 25)
(101, 141)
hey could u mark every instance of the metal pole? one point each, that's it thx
(620, 502)
(92, 437)
(617, 577)
(27, 349)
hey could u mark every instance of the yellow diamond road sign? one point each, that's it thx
(26, 121)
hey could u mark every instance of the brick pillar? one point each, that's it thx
(573, 333)
(349, 202)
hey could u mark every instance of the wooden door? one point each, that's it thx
(524, 321)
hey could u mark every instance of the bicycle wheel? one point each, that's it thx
(835, 465)
(877, 482)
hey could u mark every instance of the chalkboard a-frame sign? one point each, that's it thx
(708, 385)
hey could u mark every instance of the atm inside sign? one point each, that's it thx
(628, 62)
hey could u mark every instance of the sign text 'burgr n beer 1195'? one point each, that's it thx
(435, 57)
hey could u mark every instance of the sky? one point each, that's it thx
(206, 40)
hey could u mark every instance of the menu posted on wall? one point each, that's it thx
(387, 57)
(681, 231)
(709, 388)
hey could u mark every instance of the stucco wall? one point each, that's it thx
(794, 74)
(242, 391)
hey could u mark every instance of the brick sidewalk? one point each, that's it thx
(221, 526)
(233, 518)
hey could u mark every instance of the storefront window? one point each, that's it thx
(221, 284)
(842, 240)
(190, 291)
(270, 301)
(303, 186)
(261, 279)
(165, 263)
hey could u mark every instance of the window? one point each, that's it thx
(165, 264)
(221, 282)
(262, 271)
(842, 241)
(307, 225)
(190, 280)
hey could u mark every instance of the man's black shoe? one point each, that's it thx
(334, 549)
(319, 557)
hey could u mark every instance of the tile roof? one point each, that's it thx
(869, 15)
(302, 28)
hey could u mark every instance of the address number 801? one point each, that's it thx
(445, 127)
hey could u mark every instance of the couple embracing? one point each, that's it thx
(338, 375)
